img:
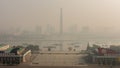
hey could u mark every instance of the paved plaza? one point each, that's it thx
(58, 60)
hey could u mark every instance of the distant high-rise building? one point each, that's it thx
(73, 29)
(50, 29)
(38, 30)
(85, 29)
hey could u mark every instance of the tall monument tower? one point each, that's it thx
(61, 22)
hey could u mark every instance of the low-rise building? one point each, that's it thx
(15, 55)
(4, 47)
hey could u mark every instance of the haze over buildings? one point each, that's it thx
(100, 17)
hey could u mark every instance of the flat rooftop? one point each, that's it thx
(1, 45)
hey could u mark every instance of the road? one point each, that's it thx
(89, 66)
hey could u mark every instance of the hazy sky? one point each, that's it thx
(98, 15)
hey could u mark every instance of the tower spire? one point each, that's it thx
(61, 21)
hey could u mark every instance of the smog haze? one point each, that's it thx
(96, 16)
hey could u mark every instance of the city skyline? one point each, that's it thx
(102, 17)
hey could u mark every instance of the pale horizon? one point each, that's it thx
(100, 16)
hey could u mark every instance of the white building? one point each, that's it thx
(4, 47)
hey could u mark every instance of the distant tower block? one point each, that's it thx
(61, 21)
